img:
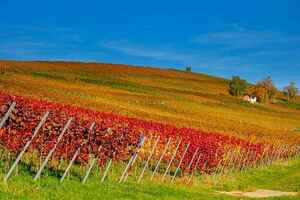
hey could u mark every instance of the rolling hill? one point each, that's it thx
(170, 96)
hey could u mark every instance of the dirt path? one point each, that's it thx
(261, 193)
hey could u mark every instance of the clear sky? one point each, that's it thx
(252, 39)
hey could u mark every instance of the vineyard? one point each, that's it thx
(170, 96)
(149, 100)
(67, 134)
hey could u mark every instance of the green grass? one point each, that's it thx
(48, 75)
(118, 84)
(48, 187)
(293, 105)
(284, 176)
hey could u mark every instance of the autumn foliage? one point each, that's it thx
(117, 135)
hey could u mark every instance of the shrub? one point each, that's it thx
(237, 86)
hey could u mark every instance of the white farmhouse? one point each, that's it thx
(250, 99)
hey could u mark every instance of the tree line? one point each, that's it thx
(264, 90)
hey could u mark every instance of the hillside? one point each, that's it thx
(169, 96)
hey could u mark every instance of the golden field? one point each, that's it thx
(169, 96)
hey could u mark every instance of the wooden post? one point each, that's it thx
(259, 160)
(173, 157)
(136, 155)
(75, 156)
(193, 158)
(195, 168)
(278, 153)
(132, 163)
(230, 160)
(92, 163)
(235, 160)
(242, 159)
(41, 123)
(226, 160)
(270, 159)
(70, 164)
(264, 155)
(218, 165)
(106, 170)
(7, 114)
(176, 171)
(132, 159)
(126, 168)
(148, 160)
(161, 157)
(247, 160)
(37, 176)
(281, 151)
(254, 159)
(283, 154)
(89, 170)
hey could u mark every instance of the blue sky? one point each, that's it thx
(252, 39)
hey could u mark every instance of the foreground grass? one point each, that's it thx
(283, 176)
(22, 187)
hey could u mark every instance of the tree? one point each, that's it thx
(188, 69)
(291, 91)
(237, 86)
(265, 90)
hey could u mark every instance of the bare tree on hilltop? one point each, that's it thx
(265, 90)
(291, 91)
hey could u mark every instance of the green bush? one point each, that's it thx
(237, 86)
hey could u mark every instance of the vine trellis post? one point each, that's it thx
(41, 123)
(38, 174)
(75, 156)
(7, 114)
